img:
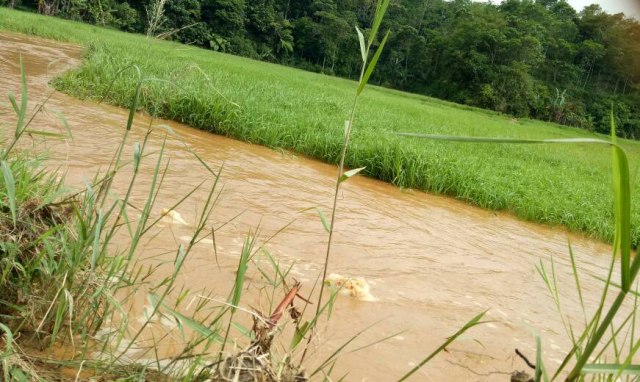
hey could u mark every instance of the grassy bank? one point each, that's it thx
(72, 283)
(282, 107)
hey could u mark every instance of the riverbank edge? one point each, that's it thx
(588, 223)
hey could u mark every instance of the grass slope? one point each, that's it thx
(305, 112)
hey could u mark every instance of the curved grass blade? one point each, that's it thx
(622, 241)
(372, 65)
(622, 193)
(473, 322)
(363, 47)
(622, 202)
(23, 100)
(323, 219)
(349, 174)
(381, 9)
(10, 185)
(332, 357)
(9, 350)
(540, 374)
(611, 369)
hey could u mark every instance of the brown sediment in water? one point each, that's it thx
(432, 262)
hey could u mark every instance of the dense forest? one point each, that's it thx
(540, 59)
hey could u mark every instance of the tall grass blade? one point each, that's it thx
(44, 133)
(323, 219)
(299, 334)
(65, 123)
(136, 156)
(381, 9)
(23, 100)
(455, 138)
(473, 322)
(134, 103)
(8, 345)
(241, 272)
(96, 242)
(364, 77)
(189, 322)
(621, 186)
(363, 45)
(349, 174)
(332, 357)
(372, 65)
(10, 185)
(611, 369)
(540, 372)
(576, 277)
(622, 201)
(14, 103)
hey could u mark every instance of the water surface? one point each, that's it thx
(432, 262)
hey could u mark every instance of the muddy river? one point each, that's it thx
(432, 262)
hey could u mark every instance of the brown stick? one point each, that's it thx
(525, 359)
(282, 307)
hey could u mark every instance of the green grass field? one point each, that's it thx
(282, 107)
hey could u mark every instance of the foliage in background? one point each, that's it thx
(517, 57)
(281, 107)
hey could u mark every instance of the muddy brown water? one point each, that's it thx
(432, 262)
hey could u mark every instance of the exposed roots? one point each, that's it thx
(23, 290)
(520, 376)
(254, 365)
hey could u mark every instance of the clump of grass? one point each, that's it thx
(62, 281)
(28, 243)
(287, 108)
(58, 279)
(37, 247)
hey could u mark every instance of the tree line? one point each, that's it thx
(528, 58)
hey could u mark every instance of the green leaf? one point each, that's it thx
(8, 344)
(372, 65)
(96, 241)
(166, 128)
(299, 334)
(65, 123)
(10, 185)
(363, 47)
(23, 100)
(538, 374)
(136, 157)
(323, 219)
(333, 357)
(455, 138)
(194, 325)
(14, 103)
(381, 9)
(136, 98)
(44, 133)
(622, 202)
(240, 273)
(17, 375)
(242, 329)
(181, 256)
(611, 368)
(348, 174)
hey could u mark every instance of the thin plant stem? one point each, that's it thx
(347, 136)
